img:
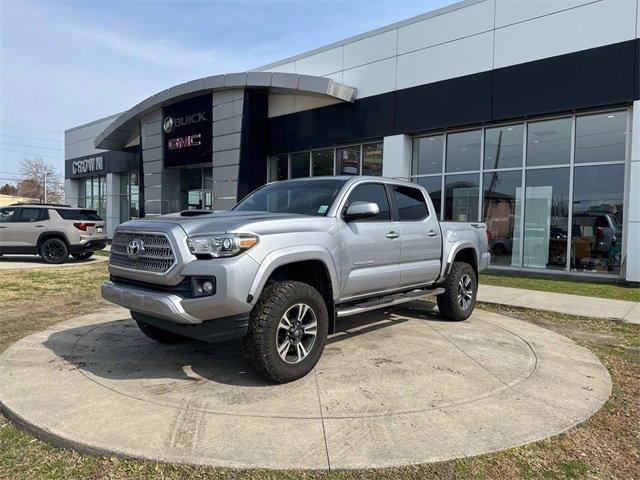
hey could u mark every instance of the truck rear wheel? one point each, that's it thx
(459, 299)
(287, 331)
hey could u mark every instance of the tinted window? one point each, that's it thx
(372, 192)
(549, 142)
(410, 203)
(372, 159)
(7, 215)
(84, 215)
(322, 162)
(427, 155)
(463, 151)
(502, 200)
(601, 138)
(28, 215)
(503, 146)
(433, 185)
(299, 165)
(462, 194)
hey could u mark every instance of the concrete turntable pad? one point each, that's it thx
(392, 388)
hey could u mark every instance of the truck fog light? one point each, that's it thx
(203, 287)
(207, 287)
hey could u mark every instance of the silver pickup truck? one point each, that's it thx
(290, 260)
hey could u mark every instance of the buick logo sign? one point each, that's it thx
(135, 248)
(168, 125)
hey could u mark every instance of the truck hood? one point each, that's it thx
(206, 223)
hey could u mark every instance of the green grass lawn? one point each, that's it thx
(573, 286)
(606, 446)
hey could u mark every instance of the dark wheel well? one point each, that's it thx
(48, 235)
(467, 255)
(313, 273)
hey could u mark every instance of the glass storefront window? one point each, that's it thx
(462, 197)
(463, 151)
(300, 165)
(531, 227)
(427, 155)
(549, 142)
(601, 137)
(196, 188)
(129, 197)
(349, 160)
(279, 168)
(93, 194)
(433, 185)
(322, 162)
(503, 147)
(546, 217)
(501, 206)
(372, 159)
(596, 228)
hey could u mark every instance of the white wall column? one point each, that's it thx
(113, 203)
(396, 157)
(71, 191)
(632, 224)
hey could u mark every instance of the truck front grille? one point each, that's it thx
(156, 255)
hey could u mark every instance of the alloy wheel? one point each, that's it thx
(465, 292)
(296, 333)
(53, 251)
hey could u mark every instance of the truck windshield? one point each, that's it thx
(309, 197)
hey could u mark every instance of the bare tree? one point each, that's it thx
(8, 189)
(38, 175)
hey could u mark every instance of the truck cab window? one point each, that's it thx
(372, 192)
(410, 203)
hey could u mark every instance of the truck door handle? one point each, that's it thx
(39, 226)
(3, 226)
(391, 235)
(432, 233)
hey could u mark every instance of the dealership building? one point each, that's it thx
(518, 114)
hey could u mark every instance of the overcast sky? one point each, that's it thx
(68, 63)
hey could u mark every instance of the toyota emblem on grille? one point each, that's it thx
(135, 248)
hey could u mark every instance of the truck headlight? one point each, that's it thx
(221, 245)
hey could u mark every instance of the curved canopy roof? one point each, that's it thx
(127, 125)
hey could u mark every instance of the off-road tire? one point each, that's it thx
(54, 251)
(82, 256)
(448, 302)
(158, 334)
(260, 341)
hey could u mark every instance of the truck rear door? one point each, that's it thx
(420, 236)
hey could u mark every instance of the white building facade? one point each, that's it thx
(519, 114)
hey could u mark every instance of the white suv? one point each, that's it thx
(52, 231)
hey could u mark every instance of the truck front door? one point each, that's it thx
(370, 251)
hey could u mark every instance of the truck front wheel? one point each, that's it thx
(459, 299)
(287, 331)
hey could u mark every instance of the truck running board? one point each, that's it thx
(386, 301)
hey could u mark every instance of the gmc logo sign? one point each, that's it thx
(185, 142)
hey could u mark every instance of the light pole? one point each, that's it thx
(45, 187)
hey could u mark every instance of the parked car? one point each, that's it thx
(52, 231)
(288, 262)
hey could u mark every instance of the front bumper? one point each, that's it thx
(157, 304)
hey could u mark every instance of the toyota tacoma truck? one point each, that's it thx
(289, 261)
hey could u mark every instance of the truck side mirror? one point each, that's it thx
(361, 210)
